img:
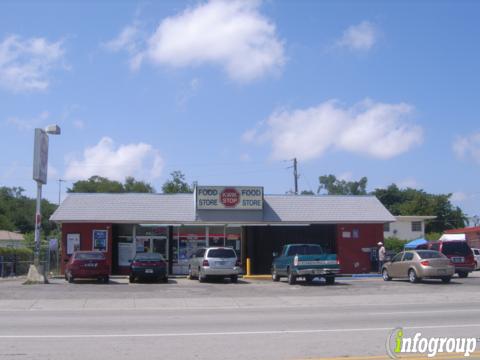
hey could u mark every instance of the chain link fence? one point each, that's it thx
(16, 262)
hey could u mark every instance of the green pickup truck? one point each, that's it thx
(304, 260)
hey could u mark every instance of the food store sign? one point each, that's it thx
(229, 198)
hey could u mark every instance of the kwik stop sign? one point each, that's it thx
(229, 197)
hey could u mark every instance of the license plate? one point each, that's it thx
(220, 262)
(149, 271)
(441, 271)
(91, 265)
(458, 259)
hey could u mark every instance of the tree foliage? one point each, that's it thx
(176, 184)
(333, 186)
(99, 184)
(17, 211)
(403, 202)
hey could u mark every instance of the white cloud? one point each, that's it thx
(78, 124)
(131, 39)
(29, 124)
(359, 37)
(231, 34)
(377, 130)
(25, 63)
(459, 196)
(105, 159)
(468, 147)
(52, 173)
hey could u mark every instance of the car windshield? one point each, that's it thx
(430, 254)
(149, 257)
(221, 253)
(305, 250)
(90, 256)
(456, 248)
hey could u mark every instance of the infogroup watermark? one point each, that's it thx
(398, 343)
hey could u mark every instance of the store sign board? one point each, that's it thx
(229, 198)
(40, 156)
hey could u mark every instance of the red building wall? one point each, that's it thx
(353, 244)
(86, 243)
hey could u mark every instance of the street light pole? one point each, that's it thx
(36, 272)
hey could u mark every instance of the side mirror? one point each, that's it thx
(274, 254)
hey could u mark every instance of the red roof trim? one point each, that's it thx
(463, 230)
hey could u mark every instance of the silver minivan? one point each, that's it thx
(214, 262)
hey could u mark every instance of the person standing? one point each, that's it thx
(381, 256)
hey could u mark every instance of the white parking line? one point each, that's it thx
(230, 333)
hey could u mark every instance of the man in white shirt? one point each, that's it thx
(381, 256)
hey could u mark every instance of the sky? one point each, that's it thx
(229, 92)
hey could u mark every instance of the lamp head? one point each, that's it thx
(53, 129)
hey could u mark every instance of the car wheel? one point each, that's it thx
(131, 278)
(463, 274)
(330, 280)
(446, 279)
(476, 265)
(165, 279)
(201, 278)
(106, 279)
(292, 279)
(385, 275)
(275, 276)
(412, 276)
(190, 273)
(70, 279)
(234, 279)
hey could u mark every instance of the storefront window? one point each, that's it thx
(233, 236)
(216, 236)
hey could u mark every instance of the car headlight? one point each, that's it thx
(295, 260)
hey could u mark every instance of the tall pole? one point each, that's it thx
(38, 225)
(60, 190)
(295, 175)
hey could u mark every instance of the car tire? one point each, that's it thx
(463, 274)
(330, 280)
(292, 279)
(106, 279)
(234, 279)
(131, 279)
(412, 276)
(165, 279)
(190, 273)
(385, 275)
(275, 276)
(71, 280)
(446, 279)
(201, 278)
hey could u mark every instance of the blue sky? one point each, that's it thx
(228, 92)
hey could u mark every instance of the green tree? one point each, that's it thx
(99, 184)
(307, 192)
(333, 186)
(17, 211)
(176, 184)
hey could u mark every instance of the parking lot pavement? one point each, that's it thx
(186, 319)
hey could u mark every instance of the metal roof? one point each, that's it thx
(179, 209)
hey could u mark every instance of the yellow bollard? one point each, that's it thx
(248, 267)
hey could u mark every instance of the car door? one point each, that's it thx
(405, 264)
(280, 262)
(393, 269)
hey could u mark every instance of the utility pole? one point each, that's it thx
(295, 175)
(60, 190)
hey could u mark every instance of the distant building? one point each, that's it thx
(10, 239)
(407, 227)
(472, 235)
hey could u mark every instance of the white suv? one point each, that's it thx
(476, 254)
(212, 262)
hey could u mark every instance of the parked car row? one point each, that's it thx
(437, 260)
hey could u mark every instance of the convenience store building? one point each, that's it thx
(241, 217)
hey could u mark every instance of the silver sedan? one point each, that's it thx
(415, 265)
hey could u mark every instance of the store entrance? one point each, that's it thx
(156, 244)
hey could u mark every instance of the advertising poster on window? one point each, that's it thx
(100, 240)
(73, 243)
(125, 253)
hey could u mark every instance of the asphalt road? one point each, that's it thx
(249, 320)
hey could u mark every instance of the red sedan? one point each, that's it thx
(87, 265)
